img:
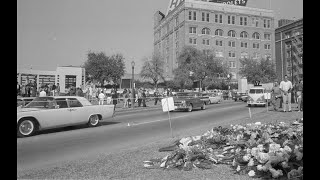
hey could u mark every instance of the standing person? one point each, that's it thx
(129, 98)
(286, 87)
(276, 95)
(18, 89)
(144, 98)
(139, 97)
(42, 93)
(114, 98)
(23, 90)
(101, 98)
(299, 89)
(155, 94)
(58, 89)
(54, 90)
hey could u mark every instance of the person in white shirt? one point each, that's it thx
(286, 87)
(42, 93)
(101, 98)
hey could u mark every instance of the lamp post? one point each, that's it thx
(132, 84)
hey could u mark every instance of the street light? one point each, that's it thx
(132, 84)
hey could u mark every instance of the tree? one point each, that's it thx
(153, 69)
(195, 65)
(100, 67)
(254, 70)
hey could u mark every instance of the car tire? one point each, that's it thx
(249, 105)
(189, 108)
(93, 121)
(26, 127)
(203, 107)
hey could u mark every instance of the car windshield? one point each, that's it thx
(41, 102)
(256, 91)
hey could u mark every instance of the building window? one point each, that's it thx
(219, 42)
(287, 35)
(243, 21)
(218, 32)
(205, 41)
(267, 46)
(232, 44)
(267, 36)
(244, 55)
(231, 19)
(205, 31)
(244, 44)
(256, 55)
(192, 30)
(244, 34)
(219, 54)
(205, 17)
(193, 40)
(255, 45)
(218, 18)
(193, 15)
(266, 23)
(232, 33)
(232, 64)
(232, 54)
(256, 35)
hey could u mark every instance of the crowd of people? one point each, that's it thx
(31, 90)
(281, 95)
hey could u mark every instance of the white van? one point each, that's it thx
(257, 95)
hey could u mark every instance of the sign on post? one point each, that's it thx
(167, 104)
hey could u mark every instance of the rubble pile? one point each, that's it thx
(273, 150)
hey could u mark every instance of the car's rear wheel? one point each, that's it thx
(203, 107)
(26, 127)
(249, 105)
(93, 121)
(190, 107)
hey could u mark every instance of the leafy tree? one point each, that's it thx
(194, 65)
(100, 67)
(254, 70)
(153, 69)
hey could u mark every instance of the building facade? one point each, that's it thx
(289, 50)
(231, 31)
(66, 76)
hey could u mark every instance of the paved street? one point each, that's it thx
(127, 129)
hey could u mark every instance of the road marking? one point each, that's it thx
(135, 124)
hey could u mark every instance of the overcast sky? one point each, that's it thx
(61, 32)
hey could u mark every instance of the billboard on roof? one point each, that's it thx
(175, 3)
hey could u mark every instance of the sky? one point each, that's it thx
(53, 33)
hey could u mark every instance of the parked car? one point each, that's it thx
(244, 97)
(59, 111)
(23, 101)
(188, 101)
(258, 96)
(214, 98)
(236, 96)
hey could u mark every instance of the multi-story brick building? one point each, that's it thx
(289, 49)
(233, 32)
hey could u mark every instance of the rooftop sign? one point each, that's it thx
(175, 3)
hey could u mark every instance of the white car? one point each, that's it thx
(59, 111)
(258, 96)
(214, 98)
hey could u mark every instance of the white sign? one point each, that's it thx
(173, 4)
(167, 104)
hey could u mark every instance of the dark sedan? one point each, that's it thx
(188, 101)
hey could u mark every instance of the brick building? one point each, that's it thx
(289, 50)
(232, 31)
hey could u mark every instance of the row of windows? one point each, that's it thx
(218, 18)
(231, 33)
(230, 43)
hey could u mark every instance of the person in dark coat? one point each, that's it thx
(114, 98)
(144, 96)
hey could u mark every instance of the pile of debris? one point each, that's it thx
(271, 150)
